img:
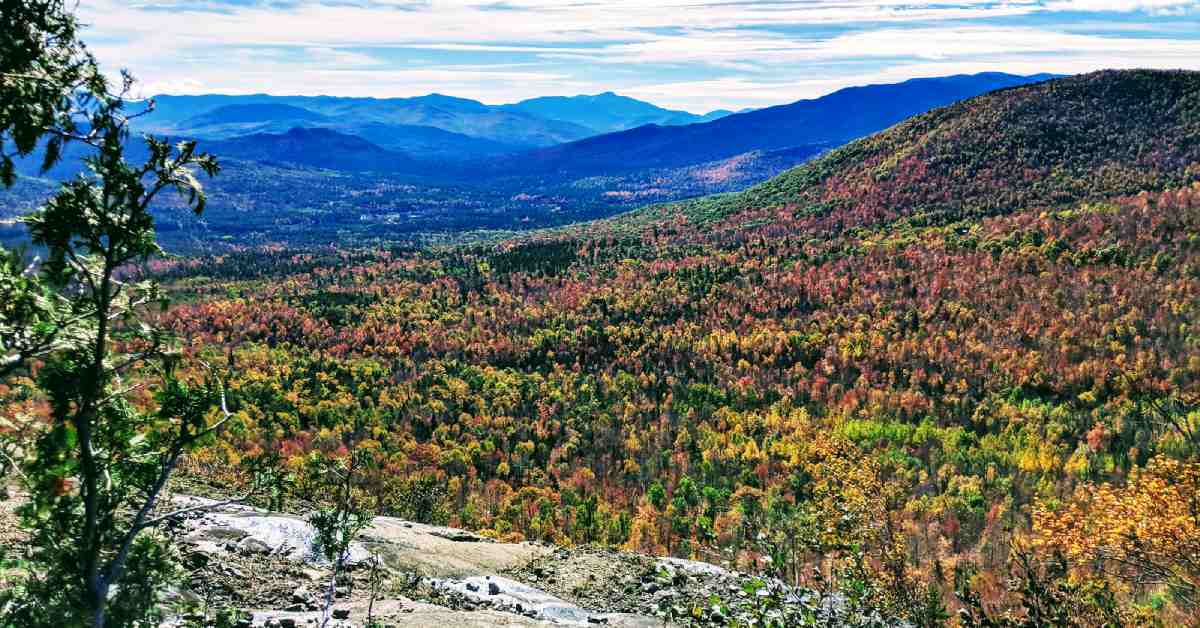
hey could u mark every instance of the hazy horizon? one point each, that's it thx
(608, 92)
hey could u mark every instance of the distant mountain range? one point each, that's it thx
(827, 121)
(570, 136)
(469, 128)
(377, 167)
(433, 127)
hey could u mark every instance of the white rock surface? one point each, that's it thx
(280, 535)
(524, 598)
(452, 559)
(692, 566)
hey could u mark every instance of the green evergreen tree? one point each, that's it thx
(96, 467)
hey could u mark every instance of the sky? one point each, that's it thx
(696, 55)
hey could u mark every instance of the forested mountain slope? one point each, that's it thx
(897, 363)
(1087, 136)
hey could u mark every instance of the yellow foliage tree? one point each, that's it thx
(1145, 534)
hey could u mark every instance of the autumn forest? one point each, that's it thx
(969, 336)
(944, 374)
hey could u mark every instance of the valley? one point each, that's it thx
(911, 354)
(782, 371)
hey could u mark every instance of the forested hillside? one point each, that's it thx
(1088, 136)
(894, 364)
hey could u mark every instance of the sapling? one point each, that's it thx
(339, 523)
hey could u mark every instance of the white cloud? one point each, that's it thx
(334, 58)
(1167, 7)
(731, 93)
(469, 23)
(947, 43)
(695, 54)
(942, 43)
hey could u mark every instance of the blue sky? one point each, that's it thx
(689, 54)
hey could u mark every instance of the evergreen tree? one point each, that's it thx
(95, 468)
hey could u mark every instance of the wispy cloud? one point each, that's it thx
(1157, 7)
(694, 54)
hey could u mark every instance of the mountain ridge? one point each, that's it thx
(456, 115)
(608, 112)
(254, 112)
(515, 125)
(836, 118)
(315, 147)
